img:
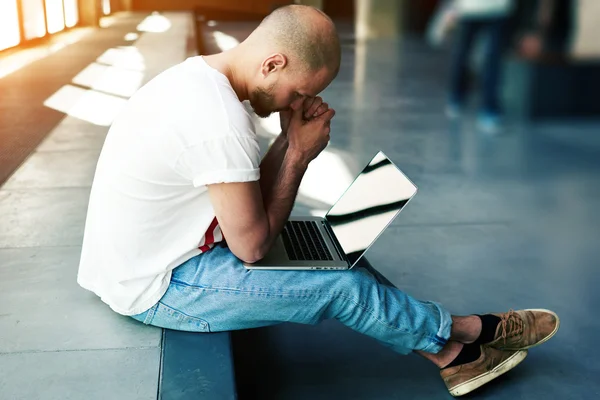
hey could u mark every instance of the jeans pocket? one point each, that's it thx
(170, 318)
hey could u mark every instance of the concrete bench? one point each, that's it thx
(197, 366)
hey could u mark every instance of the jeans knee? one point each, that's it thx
(341, 294)
(357, 285)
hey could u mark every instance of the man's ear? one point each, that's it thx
(274, 63)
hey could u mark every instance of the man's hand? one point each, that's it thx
(531, 46)
(312, 107)
(284, 119)
(307, 138)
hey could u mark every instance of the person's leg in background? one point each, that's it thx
(214, 292)
(459, 71)
(489, 118)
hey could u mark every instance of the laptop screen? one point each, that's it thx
(369, 205)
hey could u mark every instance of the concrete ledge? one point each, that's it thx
(196, 366)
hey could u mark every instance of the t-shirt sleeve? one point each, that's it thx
(225, 159)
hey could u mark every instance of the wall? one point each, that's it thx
(89, 12)
(587, 30)
(315, 3)
(378, 18)
(247, 6)
(339, 9)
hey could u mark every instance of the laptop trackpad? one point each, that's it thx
(277, 252)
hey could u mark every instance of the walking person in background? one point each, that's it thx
(474, 18)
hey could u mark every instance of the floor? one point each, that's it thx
(504, 221)
(58, 341)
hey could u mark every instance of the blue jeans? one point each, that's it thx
(214, 292)
(493, 30)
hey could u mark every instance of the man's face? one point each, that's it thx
(281, 89)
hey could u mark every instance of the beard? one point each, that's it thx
(262, 101)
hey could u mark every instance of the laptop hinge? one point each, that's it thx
(336, 244)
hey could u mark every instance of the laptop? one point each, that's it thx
(341, 238)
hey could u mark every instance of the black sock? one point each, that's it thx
(469, 353)
(489, 324)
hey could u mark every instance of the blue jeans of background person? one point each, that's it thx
(214, 292)
(492, 30)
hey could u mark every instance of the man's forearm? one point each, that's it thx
(280, 200)
(271, 164)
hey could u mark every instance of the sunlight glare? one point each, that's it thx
(88, 105)
(326, 178)
(128, 57)
(131, 36)
(154, 23)
(225, 41)
(110, 79)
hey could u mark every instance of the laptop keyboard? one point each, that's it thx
(303, 241)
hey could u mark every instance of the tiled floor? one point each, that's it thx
(58, 341)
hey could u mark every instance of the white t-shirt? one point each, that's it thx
(149, 208)
(484, 8)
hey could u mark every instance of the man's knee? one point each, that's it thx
(338, 293)
(357, 285)
(359, 277)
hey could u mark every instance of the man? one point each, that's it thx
(180, 172)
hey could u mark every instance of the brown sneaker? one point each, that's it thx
(492, 363)
(521, 330)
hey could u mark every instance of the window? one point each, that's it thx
(55, 16)
(9, 24)
(106, 7)
(33, 19)
(71, 13)
(25, 20)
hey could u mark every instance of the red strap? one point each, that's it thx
(210, 236)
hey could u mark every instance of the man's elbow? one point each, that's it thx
(251, 255)
(254, 258)
(254, 248)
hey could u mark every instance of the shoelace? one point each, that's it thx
(512, 325)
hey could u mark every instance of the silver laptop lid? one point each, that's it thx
(369, 205)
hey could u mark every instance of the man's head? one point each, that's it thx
(297, 53)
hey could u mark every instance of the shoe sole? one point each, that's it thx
(544, 340)
(477, 382)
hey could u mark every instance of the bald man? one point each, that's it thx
(180, 171)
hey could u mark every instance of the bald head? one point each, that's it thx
(304, 33)
(293, 54)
